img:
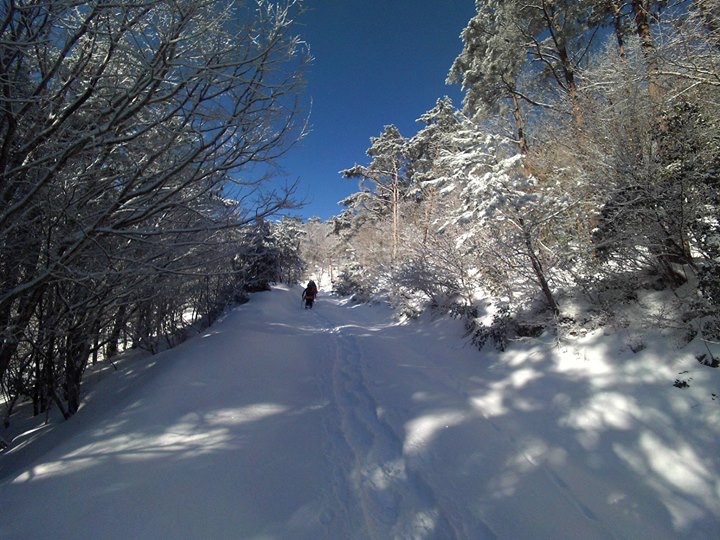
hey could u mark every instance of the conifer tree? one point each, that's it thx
(425, 148)
(386, 179)
(491, 63)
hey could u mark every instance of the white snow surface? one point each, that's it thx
(342, 423)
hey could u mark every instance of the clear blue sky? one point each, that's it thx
(377, 62)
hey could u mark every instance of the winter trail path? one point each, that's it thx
(335, 423)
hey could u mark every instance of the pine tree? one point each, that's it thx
(386, 179)
(491, 63)
(425, 148)
(502, 205)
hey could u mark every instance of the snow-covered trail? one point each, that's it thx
(337, 423)
(228, 440)
(430, 461)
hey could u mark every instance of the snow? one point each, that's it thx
(340, 422)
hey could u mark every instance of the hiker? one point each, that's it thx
(309, 294)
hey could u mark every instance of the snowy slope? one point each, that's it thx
(340, 423)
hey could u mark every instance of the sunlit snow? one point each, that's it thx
(342, 423)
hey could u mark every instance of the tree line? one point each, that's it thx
(584, 157)
(136, 147)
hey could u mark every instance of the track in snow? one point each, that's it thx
(395, 501)
(335, 422)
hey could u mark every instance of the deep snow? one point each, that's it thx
(342, 423)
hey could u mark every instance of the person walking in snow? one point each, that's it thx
(309, 294)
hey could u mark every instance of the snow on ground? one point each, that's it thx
(340, 423)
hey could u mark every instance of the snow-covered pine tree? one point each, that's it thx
(386, 179)
(424, 148)
(505, 212)
(491, 62)
(286, 236)
(520, 52)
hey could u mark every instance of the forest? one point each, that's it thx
(136, 144)
(136, 164)
(582, 166)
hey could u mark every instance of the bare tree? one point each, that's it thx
(127, 131)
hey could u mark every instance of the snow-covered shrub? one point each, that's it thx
(500, 330)
(635, 343)
(415, 274)
(435, 270)
(711, 329)
(647, 174)
(353, 281)
(708, 360)
(709, 282)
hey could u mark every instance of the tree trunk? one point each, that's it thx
(538, 269)
(559, 38)
(395, 217)
(519, 124)
(569, 74)
(429, 206)
(77, 355)
(617, 22)
(14, 326)
(95, 348)
(647, 45)
(111, 349)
